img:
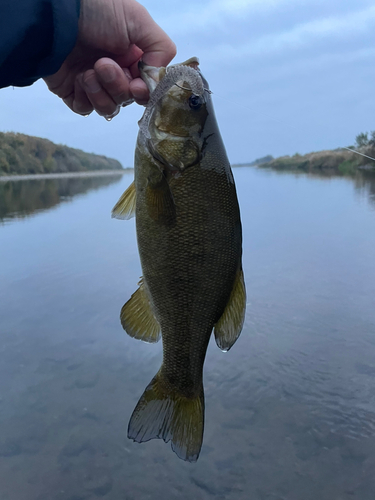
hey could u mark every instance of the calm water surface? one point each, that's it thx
(290, 410)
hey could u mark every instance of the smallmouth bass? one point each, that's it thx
(190, 245)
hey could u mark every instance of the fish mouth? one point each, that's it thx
(152, 75)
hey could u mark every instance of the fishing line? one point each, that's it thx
(214, 93)
(358, 153)
(249, 109)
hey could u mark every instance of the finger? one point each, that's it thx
(139, 91)
(81, 103)
(129, 59)
(158, 49)
(114, 80)
(103, 104)
(138, 87)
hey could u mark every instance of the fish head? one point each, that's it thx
(177, 118)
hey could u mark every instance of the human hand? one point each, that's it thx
(101, 73)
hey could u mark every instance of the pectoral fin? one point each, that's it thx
(159, 199)
(125, 207)
(229, 326)
(137, 318)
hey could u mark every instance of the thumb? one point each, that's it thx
(158, 49)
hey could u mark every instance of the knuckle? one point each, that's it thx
(172, 49)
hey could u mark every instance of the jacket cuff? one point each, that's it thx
(65, 22)
(44, 45)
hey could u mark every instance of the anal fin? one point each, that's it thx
(125, 207)
(137, 318)
(229, 326)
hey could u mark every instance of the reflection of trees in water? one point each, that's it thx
(22, 198)
(364, 181)
(365, 185)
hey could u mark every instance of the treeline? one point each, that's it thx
(23, 154)
(337, 161)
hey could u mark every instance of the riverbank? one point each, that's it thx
(339, 161)
(92, 173)
(22, 154)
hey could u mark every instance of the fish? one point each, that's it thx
(190, 245)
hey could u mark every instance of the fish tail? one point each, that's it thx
(165, 414)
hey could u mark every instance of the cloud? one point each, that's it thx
(234, 7)
(216, 12)
(290, 74)
(302, 35)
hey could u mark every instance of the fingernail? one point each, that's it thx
(92, 85)
(109, 74)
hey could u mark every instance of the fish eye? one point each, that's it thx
(195, 102)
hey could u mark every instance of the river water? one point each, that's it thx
(290, 410)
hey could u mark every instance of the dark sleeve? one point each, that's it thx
(35, 38)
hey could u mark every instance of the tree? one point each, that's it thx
(361, 139)
(372, 138)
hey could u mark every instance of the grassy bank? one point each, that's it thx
(338, 161)
(23, 154)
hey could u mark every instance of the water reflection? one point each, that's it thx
(22, 198)
(365, 186)
(363, 180)
(290, 410)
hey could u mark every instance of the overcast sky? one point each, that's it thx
(287, 75)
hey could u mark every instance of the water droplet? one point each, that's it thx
(115, 113)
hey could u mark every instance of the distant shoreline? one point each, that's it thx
(62, 175)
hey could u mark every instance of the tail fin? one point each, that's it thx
(169, 416)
